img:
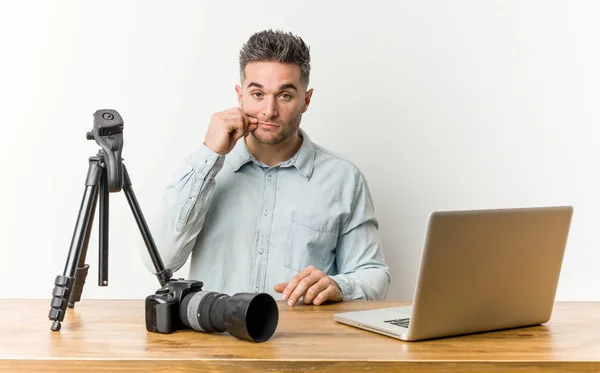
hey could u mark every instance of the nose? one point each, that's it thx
(269, 109)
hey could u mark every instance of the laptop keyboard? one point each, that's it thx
(399, 322)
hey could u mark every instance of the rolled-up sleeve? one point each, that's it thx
(361, 267)
(183, 208)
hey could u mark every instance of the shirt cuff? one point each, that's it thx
(345, 285)
(204, 158)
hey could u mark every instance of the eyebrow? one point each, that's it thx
(288, 85)
(281, 87)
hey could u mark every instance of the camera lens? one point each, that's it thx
(247, 316)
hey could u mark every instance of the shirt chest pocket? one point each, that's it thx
(311, 240)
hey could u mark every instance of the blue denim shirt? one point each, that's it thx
(249, 226)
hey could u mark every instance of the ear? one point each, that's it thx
(238, 90)
(307, 98)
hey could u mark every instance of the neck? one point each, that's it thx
(272, 155)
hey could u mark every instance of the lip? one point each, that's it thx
(267, 125)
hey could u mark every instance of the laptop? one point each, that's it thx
(481, 270)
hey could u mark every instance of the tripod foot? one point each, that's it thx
(60, 299)
(55, 326)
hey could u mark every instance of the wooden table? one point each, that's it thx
(101, 335)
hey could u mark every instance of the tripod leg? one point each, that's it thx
(82, 268)
(64, 285)
(103, 229)
(163, 274)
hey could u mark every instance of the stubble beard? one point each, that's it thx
(290, 129)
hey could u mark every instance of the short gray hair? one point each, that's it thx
(277, 46)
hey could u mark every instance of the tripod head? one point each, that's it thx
(108, 133)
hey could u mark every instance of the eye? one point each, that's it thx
(257, 94)
(285, 96)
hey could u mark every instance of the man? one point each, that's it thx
(260, 207)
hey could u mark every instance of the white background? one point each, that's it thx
(441, 104)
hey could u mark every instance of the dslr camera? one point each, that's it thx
(182, 304)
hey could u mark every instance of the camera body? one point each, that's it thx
(163, 307)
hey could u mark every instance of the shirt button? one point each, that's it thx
(260, 251)
(256, 290)
(269, 177)
(265, 212)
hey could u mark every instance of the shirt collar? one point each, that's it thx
(303, 160)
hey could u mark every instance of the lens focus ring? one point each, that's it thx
(193, 310)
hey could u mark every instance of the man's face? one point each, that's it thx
(272, 93)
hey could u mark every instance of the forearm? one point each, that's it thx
(183, 208)
(364, 284)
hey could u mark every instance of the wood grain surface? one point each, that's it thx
(110, 335)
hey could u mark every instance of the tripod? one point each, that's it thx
(106, 174)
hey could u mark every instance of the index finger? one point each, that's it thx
(250, 123)
(295, 281)
(251, 119)
(248, 119)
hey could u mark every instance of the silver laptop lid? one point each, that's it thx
(489, 269)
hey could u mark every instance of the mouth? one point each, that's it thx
(267, 125)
